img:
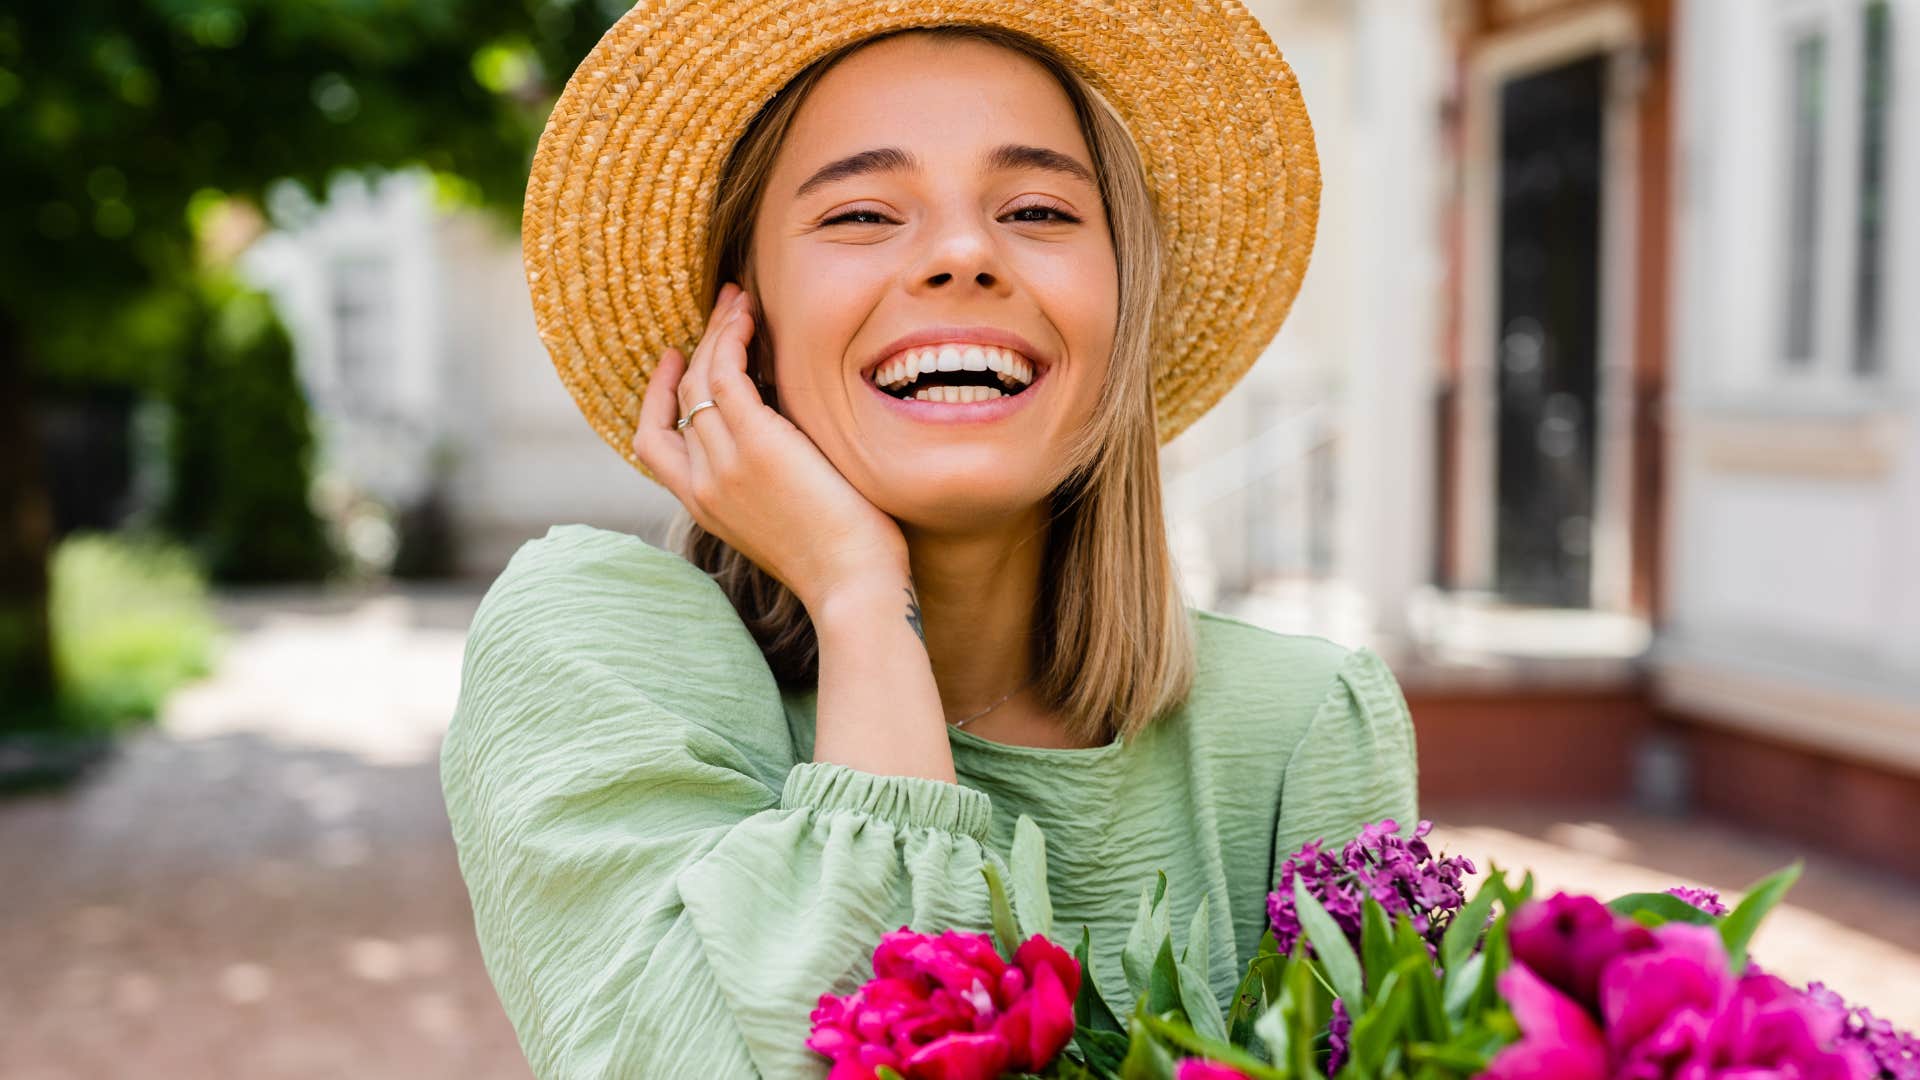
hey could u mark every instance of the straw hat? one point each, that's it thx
(623, 179)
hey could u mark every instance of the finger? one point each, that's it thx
(727, 380)
(656, 442)
(713, 436)
(693, 388)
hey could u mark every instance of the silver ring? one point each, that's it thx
(688, 419)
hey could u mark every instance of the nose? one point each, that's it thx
(961, 249)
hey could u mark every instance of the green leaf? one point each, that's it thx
(1197, 977)
(1498, 953)
(1662, 907)
(1272, 1029)
(1251, 997)
(1089, 1008)
(1146, 1059)
(1005, 931)
(1197, 947)
(886, 1073)
(1463, 932)
(1151, 925)
(1510, 897)
(1104, 1050)
(1196, 982)
(1448, 1056)
(1416, 968)
(1376, 942)
(1031, 900)
(1306, 1008)
(1163, 981)
(1737, 929)
(1382, 1026)
(1270, 973)
(1202, 1009)
(1460, 983)
(1330, 945)
(1193, 1042)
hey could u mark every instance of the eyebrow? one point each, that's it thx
(884, 159)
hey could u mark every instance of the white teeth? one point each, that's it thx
(957, 395)
(1013, 369)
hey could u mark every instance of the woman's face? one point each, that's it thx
(930, 236)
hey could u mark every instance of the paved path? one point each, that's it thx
(263, 886)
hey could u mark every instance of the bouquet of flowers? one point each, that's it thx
(1374, 965)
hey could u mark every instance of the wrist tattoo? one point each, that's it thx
(913, 611)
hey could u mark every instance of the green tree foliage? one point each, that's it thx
(121, 121)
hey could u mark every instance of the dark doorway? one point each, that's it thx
(1548, 330)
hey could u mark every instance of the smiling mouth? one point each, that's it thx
(955, 374)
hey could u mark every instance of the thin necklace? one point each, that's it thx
(995, 705)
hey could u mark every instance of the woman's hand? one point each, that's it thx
(750, 477)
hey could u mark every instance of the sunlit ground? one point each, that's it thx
(264, 887)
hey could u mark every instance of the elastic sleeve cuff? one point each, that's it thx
(903, 801)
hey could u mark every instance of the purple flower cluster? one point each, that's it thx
(1705, 899)
(1399, 872)
(1338, 1030)
(1896, 1053)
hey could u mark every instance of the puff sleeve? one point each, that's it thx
(1356, 763)
(659, 888)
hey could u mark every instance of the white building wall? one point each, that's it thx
(1309, 487)
(443, 361)
(528, 458)
(1794, 523)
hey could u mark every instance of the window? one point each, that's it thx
(1876, 84)
(363, 331)
(1836, 96)
(1806, 86)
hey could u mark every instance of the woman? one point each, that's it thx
(691, 790)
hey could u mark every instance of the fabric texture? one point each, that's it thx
(664, 881)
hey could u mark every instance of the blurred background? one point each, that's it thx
(1596, 417)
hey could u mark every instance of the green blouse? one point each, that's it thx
(664, 881)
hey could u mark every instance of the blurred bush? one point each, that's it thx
(131, 623)
(240, 445)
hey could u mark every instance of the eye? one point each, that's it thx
(847, 217)
(874, 217)
(1058, 214)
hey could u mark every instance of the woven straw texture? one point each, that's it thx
(625, 173)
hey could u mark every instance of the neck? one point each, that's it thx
(978, 593)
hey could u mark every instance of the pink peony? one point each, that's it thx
(1567, 940)
(948, 1007)
(1201, 1069)
(1673, 1011)
(1559, 1041)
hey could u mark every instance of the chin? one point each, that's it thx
(957, 501)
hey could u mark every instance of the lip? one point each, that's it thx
(959, 335)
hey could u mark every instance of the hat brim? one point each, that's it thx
(623, 180)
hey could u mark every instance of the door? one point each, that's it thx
(1547, 339)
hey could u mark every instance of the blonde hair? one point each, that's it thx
(1113, 646)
